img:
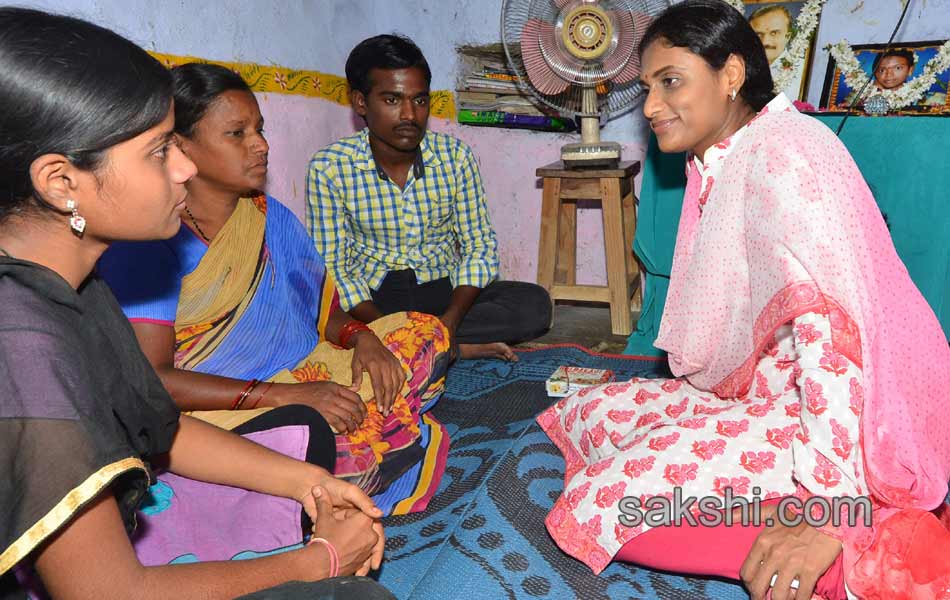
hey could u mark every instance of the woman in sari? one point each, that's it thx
(806, 359)
(87, 157)
(238, 314)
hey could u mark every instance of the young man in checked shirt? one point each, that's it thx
(399, 213)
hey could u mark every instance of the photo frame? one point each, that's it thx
(837, 94)
(779, 26)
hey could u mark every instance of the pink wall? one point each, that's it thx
(297, 126)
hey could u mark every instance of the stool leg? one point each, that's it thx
(629, 230)
(616, 251)
(567, 244)
(547, 244)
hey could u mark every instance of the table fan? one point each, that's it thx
(581, 58)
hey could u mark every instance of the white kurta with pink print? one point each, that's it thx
(797, 426)
(795, 431)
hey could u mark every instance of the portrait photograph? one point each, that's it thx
(776, 24)
(888, 69)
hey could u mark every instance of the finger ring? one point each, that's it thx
(794, 585)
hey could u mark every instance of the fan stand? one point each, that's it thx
(590, 152)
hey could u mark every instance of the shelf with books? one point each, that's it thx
(488, 95)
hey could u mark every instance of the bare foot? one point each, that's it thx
(497, 350)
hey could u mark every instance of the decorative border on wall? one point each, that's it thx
(281, 80)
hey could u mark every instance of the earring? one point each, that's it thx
(734, 92)
(76, 221)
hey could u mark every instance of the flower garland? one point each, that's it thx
(908, 93)
(788, 66)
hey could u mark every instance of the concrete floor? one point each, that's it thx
(586, 325)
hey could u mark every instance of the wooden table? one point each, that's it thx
(557, 252)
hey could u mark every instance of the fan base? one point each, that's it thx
(587, 156)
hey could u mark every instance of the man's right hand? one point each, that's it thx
(451, 321)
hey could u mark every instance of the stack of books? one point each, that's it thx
(489, 95)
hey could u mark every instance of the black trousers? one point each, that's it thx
(338, 588)
(505, 311)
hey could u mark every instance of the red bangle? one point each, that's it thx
(349, 329)
(244, 394)
(334, 557)
(261, 397)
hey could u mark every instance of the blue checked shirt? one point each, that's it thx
(365, 226)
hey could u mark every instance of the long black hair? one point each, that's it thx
(196, 87)
(715, 30)
(387, 52)
(68, 87)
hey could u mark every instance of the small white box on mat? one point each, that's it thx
(568, 380)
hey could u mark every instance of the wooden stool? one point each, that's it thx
(557, 252)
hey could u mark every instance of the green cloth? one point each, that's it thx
(902, 159)
(658, 215)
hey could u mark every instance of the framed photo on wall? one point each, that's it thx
(901, 64)
(788, 39)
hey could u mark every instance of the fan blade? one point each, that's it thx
(638, 26)
(630, 71)
(641, 22)
(623, 25)
(537, 36)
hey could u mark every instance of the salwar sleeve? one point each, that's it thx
(145, 278)
(827, 452)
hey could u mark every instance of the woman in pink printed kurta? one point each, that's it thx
(645, 437)
(806, 358)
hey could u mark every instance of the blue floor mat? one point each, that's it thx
(483, 535)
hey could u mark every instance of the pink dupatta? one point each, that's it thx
(789, 227)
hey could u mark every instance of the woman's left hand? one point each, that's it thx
(800, 552)
(385, 370)
(345, 498)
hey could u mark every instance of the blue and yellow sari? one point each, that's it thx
(254, 303)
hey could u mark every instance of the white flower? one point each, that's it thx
(736, 4)
(788, 66)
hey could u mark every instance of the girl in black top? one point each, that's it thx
(87, 157)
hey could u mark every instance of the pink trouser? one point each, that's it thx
(711, 551)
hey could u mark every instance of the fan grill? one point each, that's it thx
(559, 47)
